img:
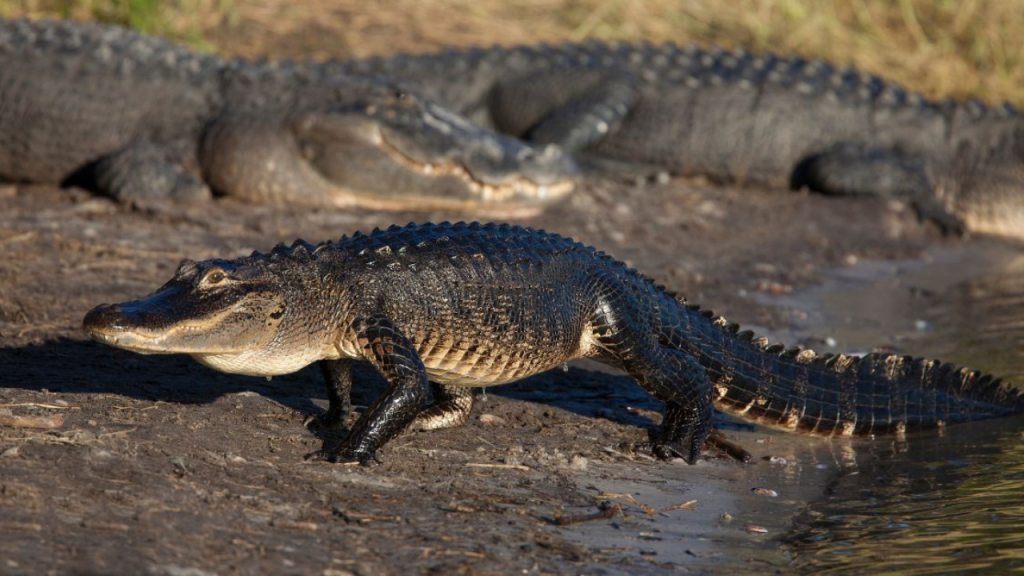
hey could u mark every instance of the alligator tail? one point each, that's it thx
(830, 395)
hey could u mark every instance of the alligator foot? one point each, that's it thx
(668, 450)
(932, 209)
(330, 421)
(343, 456)
(143, 173)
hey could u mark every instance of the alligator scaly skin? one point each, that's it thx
(141, 119)
(740, 117)
(469, 305)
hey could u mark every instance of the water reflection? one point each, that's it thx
(930, 504)
(981, 322)
(948, 502)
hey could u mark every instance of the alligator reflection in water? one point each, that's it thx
(944, 502)
(935, 502)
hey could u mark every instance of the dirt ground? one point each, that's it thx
(159, 465)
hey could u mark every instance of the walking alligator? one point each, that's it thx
(139, 118)
(441, 309)
(781, 121)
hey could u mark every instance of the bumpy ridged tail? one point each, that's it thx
(798, 390)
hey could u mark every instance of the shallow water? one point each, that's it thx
(935, 502)
(940, 501)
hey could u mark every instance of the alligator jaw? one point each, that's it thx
(518, 190)
(107, 324)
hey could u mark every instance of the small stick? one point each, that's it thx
(505, 466)
(688, 505)
(35, 405)
(55, 421)
(718, 441)
(628, 498)
(606, 512)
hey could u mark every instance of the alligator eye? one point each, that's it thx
(215, 277)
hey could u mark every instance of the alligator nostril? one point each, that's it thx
(104, 317)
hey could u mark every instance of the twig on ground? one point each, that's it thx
(628, 498)
(41, 422)
(503, 466)
(607, 512)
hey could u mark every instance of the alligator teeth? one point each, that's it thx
(520, 188)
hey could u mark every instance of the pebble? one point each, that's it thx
(765, 492)
(578, 463)
(491, 419)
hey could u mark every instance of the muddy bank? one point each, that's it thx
(160, 465)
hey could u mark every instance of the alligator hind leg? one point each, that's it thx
(672, 376)
(678, 380)
(451, 408)
(394, 356)
(145, 172)
(338, 382)
(852, 170)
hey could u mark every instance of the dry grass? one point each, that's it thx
(942, 47)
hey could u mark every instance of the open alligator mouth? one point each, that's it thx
(520, 188)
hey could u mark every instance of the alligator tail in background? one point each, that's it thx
(830, 395)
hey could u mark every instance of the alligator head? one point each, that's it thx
(368, 143)
(242, 316)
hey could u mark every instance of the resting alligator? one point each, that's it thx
(741, 117)
(450, 307)
(139, 118)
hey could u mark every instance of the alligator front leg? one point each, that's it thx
(338, 382)
(143, 172)
(394, 356)
(571, 108)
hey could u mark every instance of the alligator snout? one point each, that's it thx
(104, 320)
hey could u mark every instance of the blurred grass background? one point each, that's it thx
(957, 48)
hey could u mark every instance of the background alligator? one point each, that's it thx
(452, 307)
(736, 116)
(138, 117)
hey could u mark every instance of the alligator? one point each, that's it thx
(441, 309)
(732, 115)
(144, 120)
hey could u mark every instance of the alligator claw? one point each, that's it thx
(668, 450)
(343, 456)
(326, 422)
(675, 449)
